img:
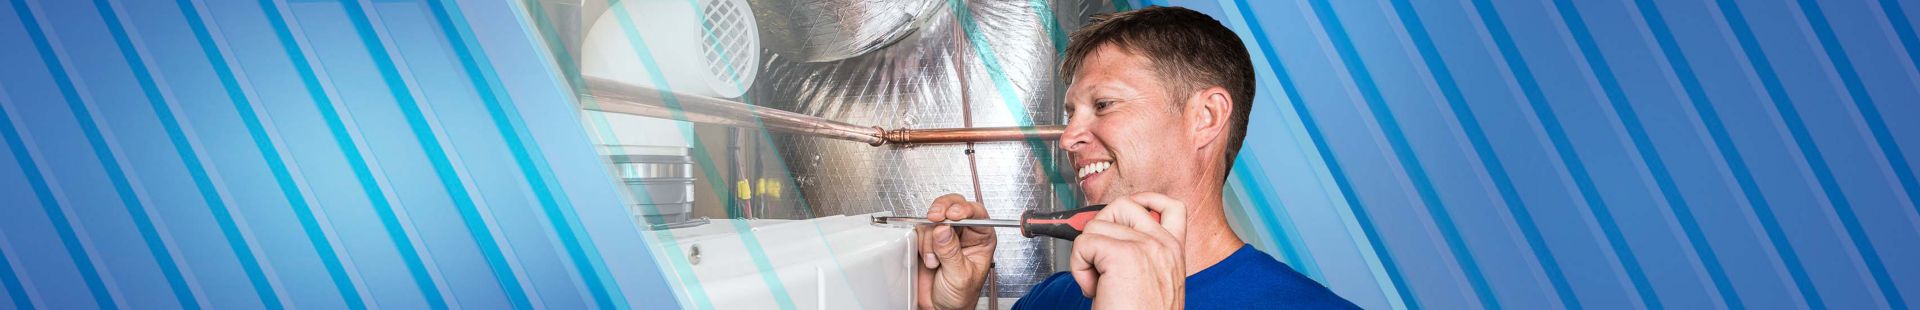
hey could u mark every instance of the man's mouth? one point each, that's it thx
(1094, 168)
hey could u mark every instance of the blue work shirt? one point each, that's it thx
(1248, 279)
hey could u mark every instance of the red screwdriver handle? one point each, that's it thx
(1064, 224)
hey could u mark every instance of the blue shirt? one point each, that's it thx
(1248, 279)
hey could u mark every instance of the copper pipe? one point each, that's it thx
(616, 97)
(976, 134)
(611, 96)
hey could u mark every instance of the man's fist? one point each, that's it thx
(954, 261)
(1126, 259)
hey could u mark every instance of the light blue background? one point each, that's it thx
(1439, 154)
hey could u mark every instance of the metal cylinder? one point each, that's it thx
(661, 184)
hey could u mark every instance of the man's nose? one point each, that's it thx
(1075, 135)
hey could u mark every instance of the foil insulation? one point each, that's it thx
(935, 77)
(829, 30)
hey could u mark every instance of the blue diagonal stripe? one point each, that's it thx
(183, 147)
(102, 152)
(1871, 115)
(1319, 140)
(243, 105)
(520, 143)
(1489, 160)
(1730, 155)
(82, 262)
(1556, 135)
(1370, 93)
(437, 155)
(1777, 93)
(1617, 98)
(304, 213)
(1272, 214)
(10, 281)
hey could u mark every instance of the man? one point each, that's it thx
(1157, 108)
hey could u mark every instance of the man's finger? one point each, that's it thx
(938, 211)
(946, 246)
(1087, 250)
(1091, 247)
(923, 286)
(1173, 212)
(923, 240)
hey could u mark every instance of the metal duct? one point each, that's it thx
(934, 78)
(830, 30)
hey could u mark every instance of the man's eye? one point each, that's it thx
(1101, 105)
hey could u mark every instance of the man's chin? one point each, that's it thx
(1103, 197)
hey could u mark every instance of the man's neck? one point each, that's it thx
(1209, 240)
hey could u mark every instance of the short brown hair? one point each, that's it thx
(1188, 50)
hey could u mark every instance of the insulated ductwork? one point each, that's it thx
(830, 30)
(946, 77)
(937, 77)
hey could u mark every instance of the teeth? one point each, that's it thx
(1093, 168)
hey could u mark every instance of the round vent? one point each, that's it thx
(728, 51)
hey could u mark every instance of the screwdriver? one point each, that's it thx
(1063, 224)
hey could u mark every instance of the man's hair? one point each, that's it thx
(1188, 50)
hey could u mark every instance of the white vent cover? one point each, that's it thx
(699, 47)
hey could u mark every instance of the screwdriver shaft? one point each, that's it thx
(965, 222)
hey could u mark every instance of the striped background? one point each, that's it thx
(1586, 153)
(319, 154)
(1439, 154)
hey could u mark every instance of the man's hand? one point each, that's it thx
(1126, 259)
(954, 267)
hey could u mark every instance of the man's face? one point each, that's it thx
(1124, 133)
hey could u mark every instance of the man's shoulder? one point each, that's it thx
(1252, 279)
(1249, 279)
(1059, 291)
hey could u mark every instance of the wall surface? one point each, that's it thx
(1409, 154)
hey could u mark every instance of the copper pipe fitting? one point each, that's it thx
(976, 134)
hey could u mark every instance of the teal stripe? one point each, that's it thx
(1284, 234)
(569, 70)
(1011, 98)
(750, 242)
(238, 239)
(689, 280)
(1395, 278)
(437, 156)
(1045, 12)
(1403, 151)
(356, 160)
(766, 137)
(520, 143)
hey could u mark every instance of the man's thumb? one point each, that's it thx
(946, 245)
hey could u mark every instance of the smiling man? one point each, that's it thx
(1157, 108)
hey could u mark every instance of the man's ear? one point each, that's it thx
(1208, 114)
